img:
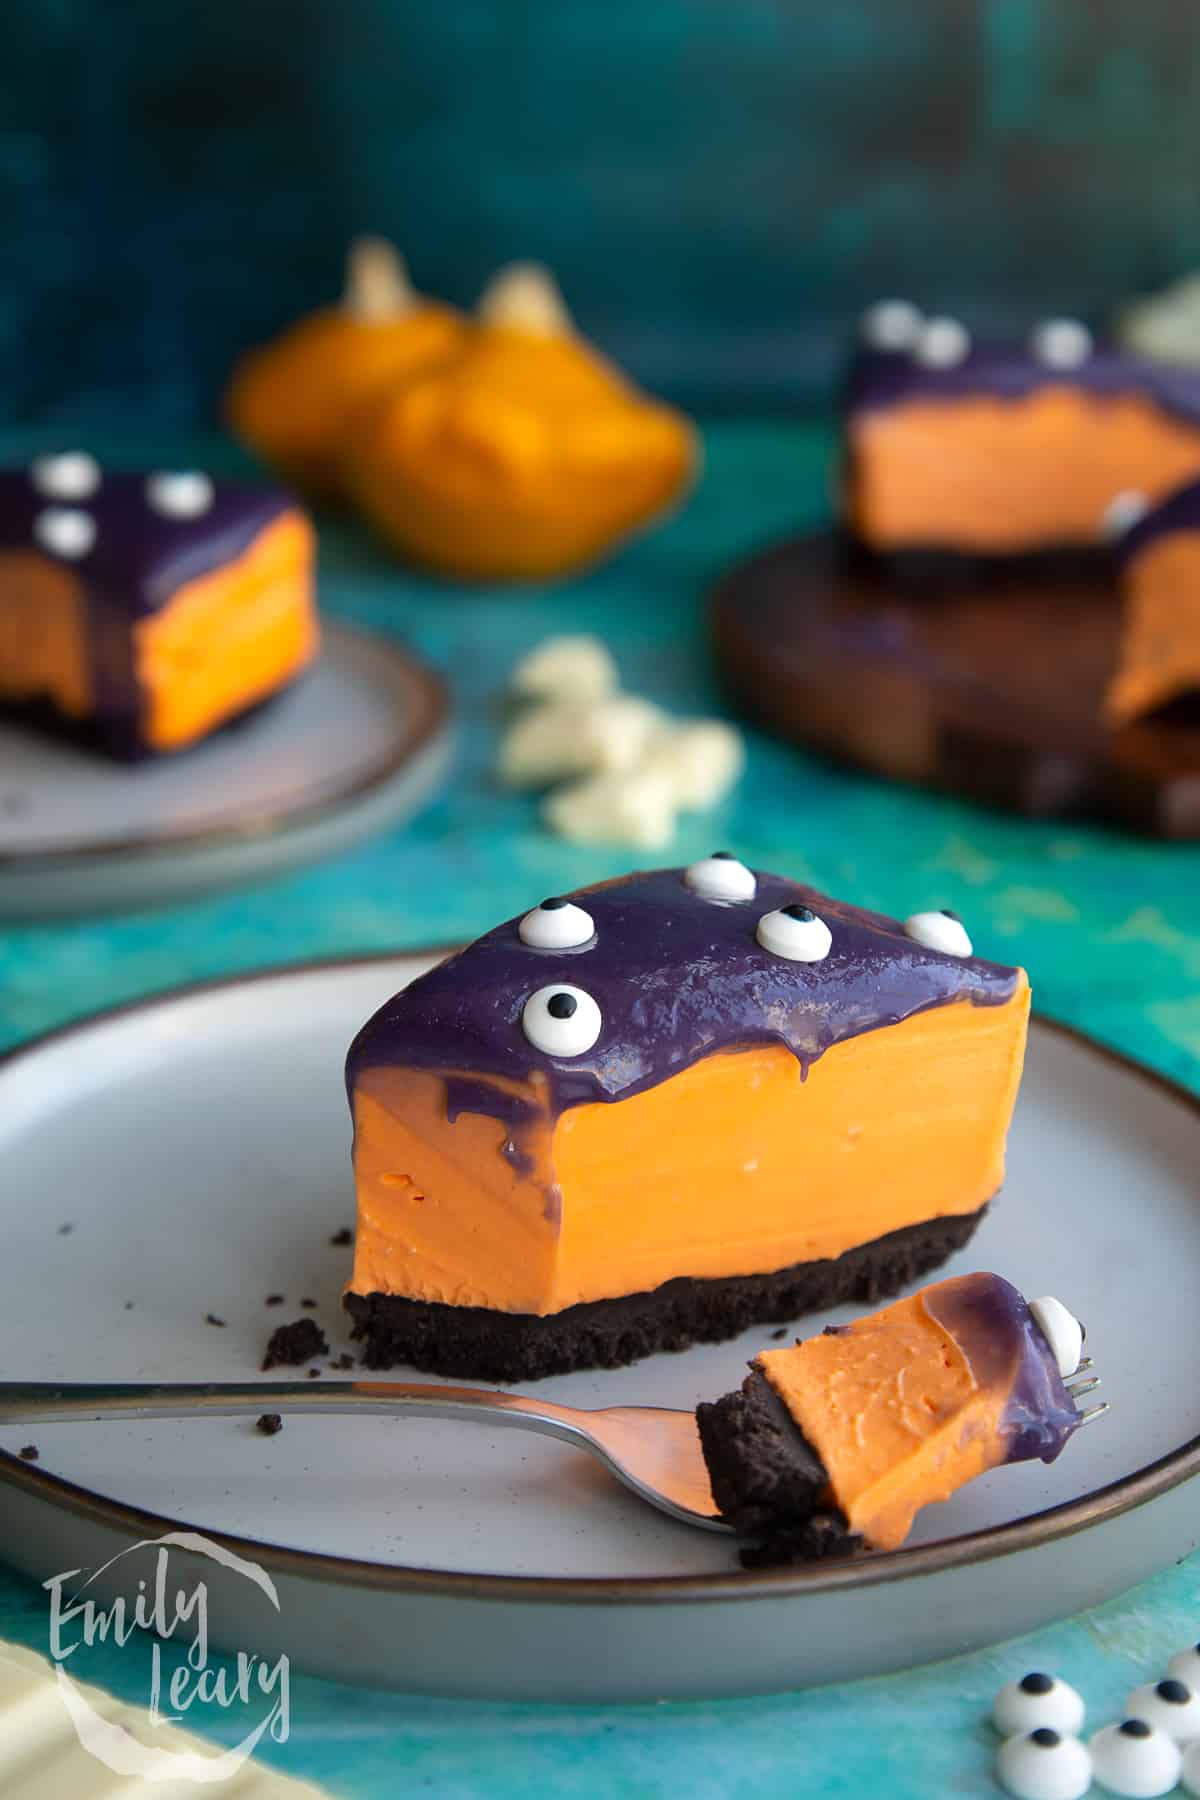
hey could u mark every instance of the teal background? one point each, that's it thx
(721, 186)
(1108, 926)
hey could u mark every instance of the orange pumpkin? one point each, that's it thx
(523, 454)
(290, 401)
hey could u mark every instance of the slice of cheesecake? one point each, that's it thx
(672, 1106)
(834, 1445)
(148, 609)
(1001, 449)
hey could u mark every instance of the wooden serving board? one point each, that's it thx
(987, 686)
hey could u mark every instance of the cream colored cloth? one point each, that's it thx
(41, 1757)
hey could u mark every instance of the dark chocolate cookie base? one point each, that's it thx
(938, 670)
(484, 1345)
(768, 1481)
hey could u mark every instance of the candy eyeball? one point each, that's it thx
(561, 1020)
(942, 344)
(796, 933)
(1123, 512)
(72, 475)
(181, 494)
(1136, 1759)
(720, 877)
(1185, 1666)
(1044, 1764)
(1190, 1778)
(65, 531)
(942, 931)
(1062, 1331)
(891, 325)
(1037, 1699)
(556, 925)
(1061, 343)
(1172, 1705)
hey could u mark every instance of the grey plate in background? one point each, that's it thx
(355, 746)
(199, 1147)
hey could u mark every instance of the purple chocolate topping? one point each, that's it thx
(881, 378)
(675, 977)
(141, 557)
(1000, 1338)
(1180, 511)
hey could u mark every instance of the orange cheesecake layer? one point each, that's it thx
(220, 644)
(896, 1413)
(43, 634)
(229, 638)
(998, 475)
(1159, 655)
(737, 1165)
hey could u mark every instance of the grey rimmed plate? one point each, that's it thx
(356, 745)
(198, 1148)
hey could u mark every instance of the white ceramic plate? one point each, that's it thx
(356, 745)
(198, 1146)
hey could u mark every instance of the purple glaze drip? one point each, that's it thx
(1180, 511)
(1000, 1338)
(139, 561)
(882, 378)
(140, 556)
(675, 977)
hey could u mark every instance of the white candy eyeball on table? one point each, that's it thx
(1172, 1705)
(181, 494)
(557, 925)
(1062, 1331)
(942, 344)
(1185, 1666)
(721, 877)
(1037, 1699)
(891, 325)
(1190, 1778)
(65, 531)
(796, 933)
(1135, 1759)
(1044, 1764)
(561, 1020)
(1061, 343)
(1123, 512)
(72, 475)
(943, 931)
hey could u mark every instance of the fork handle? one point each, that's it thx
(55, 1403)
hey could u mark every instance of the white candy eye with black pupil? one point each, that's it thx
(1135, 1757)
(561, 1020)
(1044, 1765)
(720, 877)
(557, 925)
(795, 933)
(1171, 1705)
(942, 931)
(1035, 1700)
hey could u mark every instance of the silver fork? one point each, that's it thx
(652, 1449)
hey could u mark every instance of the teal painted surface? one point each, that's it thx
(1110, 928)
(721, 186)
